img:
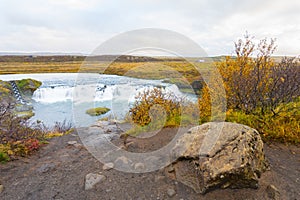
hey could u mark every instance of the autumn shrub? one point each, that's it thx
(18, 137)
(254, 82)
(156, 108)
(147, 99)
(283, 127)
(260, 92)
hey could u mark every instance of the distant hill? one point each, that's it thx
(69, 58)
(43, 57)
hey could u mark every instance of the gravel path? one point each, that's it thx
(60, 170)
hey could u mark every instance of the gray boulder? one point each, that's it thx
(219, 155)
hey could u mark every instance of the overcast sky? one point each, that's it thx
(79, 26)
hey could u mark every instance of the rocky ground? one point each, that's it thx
(64, 169)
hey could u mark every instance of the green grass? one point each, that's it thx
(97, 111)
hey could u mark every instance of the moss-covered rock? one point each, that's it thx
(97, 111)
(28, 86)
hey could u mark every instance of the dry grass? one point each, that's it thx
(152, 70)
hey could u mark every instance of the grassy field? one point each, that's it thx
(137, 69)
(182, 73)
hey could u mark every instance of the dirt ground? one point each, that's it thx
(58, 171)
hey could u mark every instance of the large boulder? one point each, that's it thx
(218, 155)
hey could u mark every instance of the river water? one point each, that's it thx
(67, 96)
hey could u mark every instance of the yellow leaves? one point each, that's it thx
(283, 127)
(10, 152)
(155, 109)
(204, 103)
(53, 134)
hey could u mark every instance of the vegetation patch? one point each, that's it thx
(3, 156)
(155, 109)
(28, 86)
(97, 111)
(283, 127)
(261, 93)
(25, 114)
(5, 89)
(18, 137)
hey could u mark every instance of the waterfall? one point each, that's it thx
(53, 94)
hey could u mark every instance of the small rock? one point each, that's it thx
(171, 168)
(92, 179)
(112, 122)
(108, 131)
(77, 145)
(171, 192)
(1, 188)
(108, 166)
(46, 167)
(139, 166)
(273, 192)
(65, 157)
(72, 142)
(159, 178)
(122, 161)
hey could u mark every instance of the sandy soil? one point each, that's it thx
(58, 171)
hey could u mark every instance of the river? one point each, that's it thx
(67, 96)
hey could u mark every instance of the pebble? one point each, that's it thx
(159, 178)
(139, 166)
(1, 188)
(75, 144)
(92, 179)
(122, 161)
(171, 192)
(72, 142)
(46, 167)
(171, 169)
(273, 192)
(108, 166)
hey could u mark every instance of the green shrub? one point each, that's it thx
(4, 157)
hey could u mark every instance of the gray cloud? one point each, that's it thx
(80, 26)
